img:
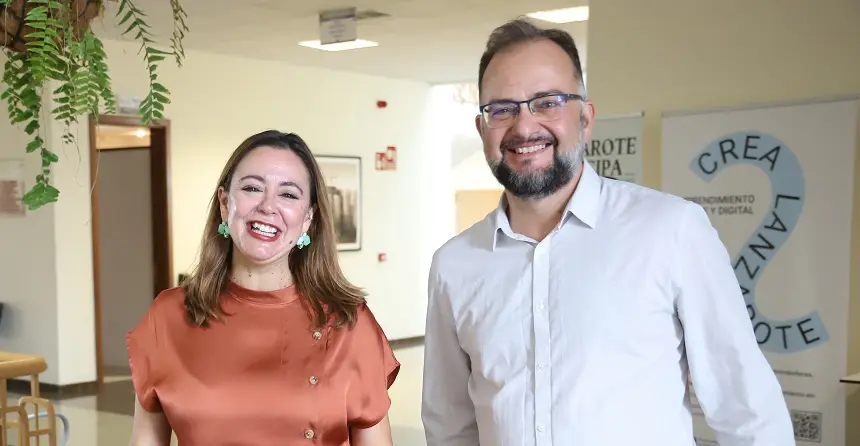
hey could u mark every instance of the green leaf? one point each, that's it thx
(35, 144)
(151, 50)
(125, 19)
(40, 195)
(32, 127)
(160, 98)
(51, 156)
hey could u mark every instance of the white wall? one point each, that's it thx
(473, 173)
(455, 124)
(217, 102)
(28, 281)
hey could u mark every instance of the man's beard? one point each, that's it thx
(545, 182)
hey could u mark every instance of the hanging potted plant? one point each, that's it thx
(50, 48)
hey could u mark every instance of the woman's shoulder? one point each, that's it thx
(168, 302)
(372, 344)
(365, 318)
(167, 308)
(366, 328)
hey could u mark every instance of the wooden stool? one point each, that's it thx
(17, 365)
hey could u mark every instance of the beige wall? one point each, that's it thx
(473, 205)
(662, 55)
(28, 271)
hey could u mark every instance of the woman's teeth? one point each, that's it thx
(263, 229)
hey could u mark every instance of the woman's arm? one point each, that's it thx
(378, 435)
(149, 428)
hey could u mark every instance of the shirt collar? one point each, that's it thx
(584, 204)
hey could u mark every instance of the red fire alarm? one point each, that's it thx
(381, 104)
(382, 257)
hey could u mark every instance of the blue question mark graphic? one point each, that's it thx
(783, 169)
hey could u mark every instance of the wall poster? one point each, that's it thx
(776, 181)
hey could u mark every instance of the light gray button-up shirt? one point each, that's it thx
(587, 338)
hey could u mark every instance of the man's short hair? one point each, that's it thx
(520, 31)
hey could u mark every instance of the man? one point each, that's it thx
(573, 314)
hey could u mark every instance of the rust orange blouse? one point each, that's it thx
(261, 375)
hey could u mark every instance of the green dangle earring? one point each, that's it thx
(224, 230)
(304, 240)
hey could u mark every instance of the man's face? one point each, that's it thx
(533, 157)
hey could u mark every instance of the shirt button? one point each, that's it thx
(541, 366)
(317, 335)
(309, 434)
(313, 380)
(540, 307)
(540, 427)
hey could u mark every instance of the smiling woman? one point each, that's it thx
(264, 319)
(265, 208)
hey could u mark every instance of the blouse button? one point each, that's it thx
(317, 335)
(313, 380)
(309, 434)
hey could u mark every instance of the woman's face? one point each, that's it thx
(268, 204)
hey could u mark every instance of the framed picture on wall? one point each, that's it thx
(12, 188)
(343, 177)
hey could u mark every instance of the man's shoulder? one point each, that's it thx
(624, 197)
(463, 247)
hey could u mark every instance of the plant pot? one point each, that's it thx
(13, 35)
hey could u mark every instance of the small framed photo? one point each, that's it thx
(342, 176)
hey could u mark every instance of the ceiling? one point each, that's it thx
(435, 41)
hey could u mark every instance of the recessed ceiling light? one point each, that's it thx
(564, 15)
(340, 46)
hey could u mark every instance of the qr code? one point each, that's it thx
(807, 425)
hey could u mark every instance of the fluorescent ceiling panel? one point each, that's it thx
(565, 15)
(340, 46)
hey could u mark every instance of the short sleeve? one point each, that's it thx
(141, 346)
(376, 367)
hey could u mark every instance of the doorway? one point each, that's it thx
(132, 252)
(471, 206)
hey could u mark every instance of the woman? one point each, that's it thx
(266, 342)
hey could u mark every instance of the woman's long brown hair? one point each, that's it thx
(315, 269)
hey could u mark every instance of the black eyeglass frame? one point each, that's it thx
(530, 103)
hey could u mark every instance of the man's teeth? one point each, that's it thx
(530, 149)
(263, 229)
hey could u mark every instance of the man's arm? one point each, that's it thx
(740, 396)
(446, 409)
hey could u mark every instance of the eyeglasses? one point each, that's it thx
(544, 108)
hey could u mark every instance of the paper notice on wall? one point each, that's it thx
(615, 149)
(12, 188)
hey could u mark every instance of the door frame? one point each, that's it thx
(162, 244)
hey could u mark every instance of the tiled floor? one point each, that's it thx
(105, 419)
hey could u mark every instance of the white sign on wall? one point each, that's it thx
(777, 184)
(615, 150)
(128, 105)
(338, 25)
